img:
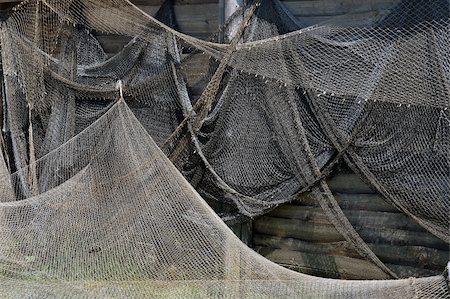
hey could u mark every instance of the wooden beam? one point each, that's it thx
(333, 266)
(349, 183)
(307, 231)
(323, 265)
(415, 256)
(356, 201)
(357, 218)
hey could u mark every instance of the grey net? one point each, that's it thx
(100, 211)
(329, 89)
(120, 220)
(265, 142)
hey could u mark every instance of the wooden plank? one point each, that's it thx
(357, 201)
(416, 256)
(333, 266)
(298, 229)
(333, 7)
(323, 265)
(199, 20)
(176, 2)
(112, 43)
(356, 218)
(349, 183)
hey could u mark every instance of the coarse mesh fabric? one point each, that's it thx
(281, 157)
(120, 220)
(377, 95)
(311, 101)
(79, 83)
(244, 129)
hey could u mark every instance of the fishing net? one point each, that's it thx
(284, 109)
(120, 220)
(310, 97)
(263, 143)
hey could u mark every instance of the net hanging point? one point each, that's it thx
(119, 87)
(448, 270)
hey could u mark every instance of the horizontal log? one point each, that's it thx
(332, 7)
(332, 266)
(349, 183)
(415, 256)
(323, 265)
(112, 43)
(356, 218)
(354, 201)
(332, 248)
(407, 272)
(176, 2)
(198, 20)
(298, 229)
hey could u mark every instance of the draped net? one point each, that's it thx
(101, 209)
(120, 220)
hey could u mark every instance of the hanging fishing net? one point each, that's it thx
(95, 207)
(120, 220)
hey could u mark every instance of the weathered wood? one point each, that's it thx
(332, 248)
(407, 272)
(176, 2)
(366, 202)
(112, 43)
(323, 265)
(349, 183)
(294, 228)
(332, 7)
(244, 232)
(416, 256)
(195, 70)
(356, 218)
(334, 266)
(196, 19)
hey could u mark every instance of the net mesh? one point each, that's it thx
(95, 207)
(119, 219)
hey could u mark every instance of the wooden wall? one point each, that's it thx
(299, 236)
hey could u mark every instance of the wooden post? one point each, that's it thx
(231, 6)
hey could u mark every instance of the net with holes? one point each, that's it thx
(117, 219)
(373, 94)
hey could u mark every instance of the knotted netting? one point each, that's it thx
(120, 220)
(376, 95)
(266, 141)
(307, 98)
